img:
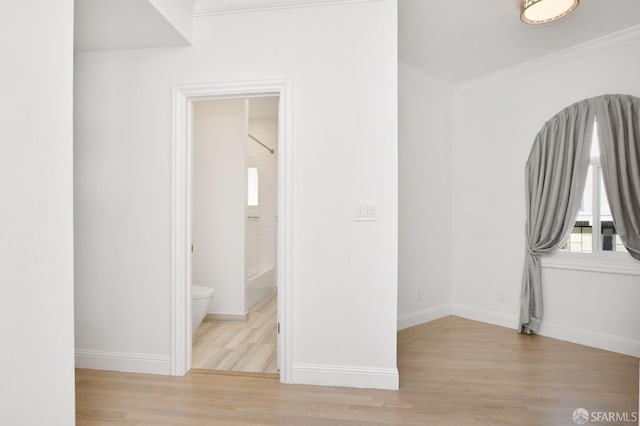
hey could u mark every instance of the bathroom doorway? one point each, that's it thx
(234, 235)
(250, 250)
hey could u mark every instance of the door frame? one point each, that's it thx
(182, 167)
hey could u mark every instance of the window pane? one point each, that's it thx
(595, 144)
(610, 239)
(605, 210)
(252, 190)
(581, 238)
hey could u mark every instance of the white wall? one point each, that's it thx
(425, 166)
(266, 130)
(262, 227)
(495, 121)
(263, 124)
(36, 213)
(345, 151)
(219, 202)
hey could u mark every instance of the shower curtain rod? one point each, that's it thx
(271, 150)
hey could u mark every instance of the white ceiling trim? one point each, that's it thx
(442, 86)
(222, 7)
(553, 58)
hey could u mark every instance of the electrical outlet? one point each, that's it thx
(500, 296)
(419, 295)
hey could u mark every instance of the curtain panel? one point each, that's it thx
(555, 177)
(618, 119)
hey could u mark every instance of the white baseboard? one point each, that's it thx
(124, 362)
(592, 339)
(348, 376)
(490, 317)
(607, 342)
(225, 317)
(423, 316)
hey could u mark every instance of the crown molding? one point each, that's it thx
(599, 43)
(434, 82)
(223, 7)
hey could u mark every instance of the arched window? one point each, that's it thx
(583, 173)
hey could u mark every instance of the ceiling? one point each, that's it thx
(451, 40)
(124, 24)
(456, 41)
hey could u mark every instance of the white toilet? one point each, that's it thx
(200, 299)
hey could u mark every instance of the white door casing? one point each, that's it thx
(183, 98)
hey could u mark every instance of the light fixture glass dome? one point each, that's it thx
(543, 11)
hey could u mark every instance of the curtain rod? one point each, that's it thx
(271, 150)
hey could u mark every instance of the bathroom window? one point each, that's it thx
(252, 193)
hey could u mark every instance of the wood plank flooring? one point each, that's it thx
(452, 372)
(243, 346)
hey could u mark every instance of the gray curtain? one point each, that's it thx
(555, 177)
(619, 134)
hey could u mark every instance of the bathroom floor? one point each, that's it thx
(247, 346)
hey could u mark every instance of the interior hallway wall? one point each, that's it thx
(345, 144)
(36, 213)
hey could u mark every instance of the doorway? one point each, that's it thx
(260, 299)
(234, 242)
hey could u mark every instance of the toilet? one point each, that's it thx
(200, 299)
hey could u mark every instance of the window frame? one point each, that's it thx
(598, 260)
(607, 262)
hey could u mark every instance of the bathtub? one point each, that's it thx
(259, 287)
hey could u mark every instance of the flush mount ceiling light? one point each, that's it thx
(543, 11)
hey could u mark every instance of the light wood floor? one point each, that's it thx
(452, 372)
(245, 346)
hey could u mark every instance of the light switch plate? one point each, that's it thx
(365, 212)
